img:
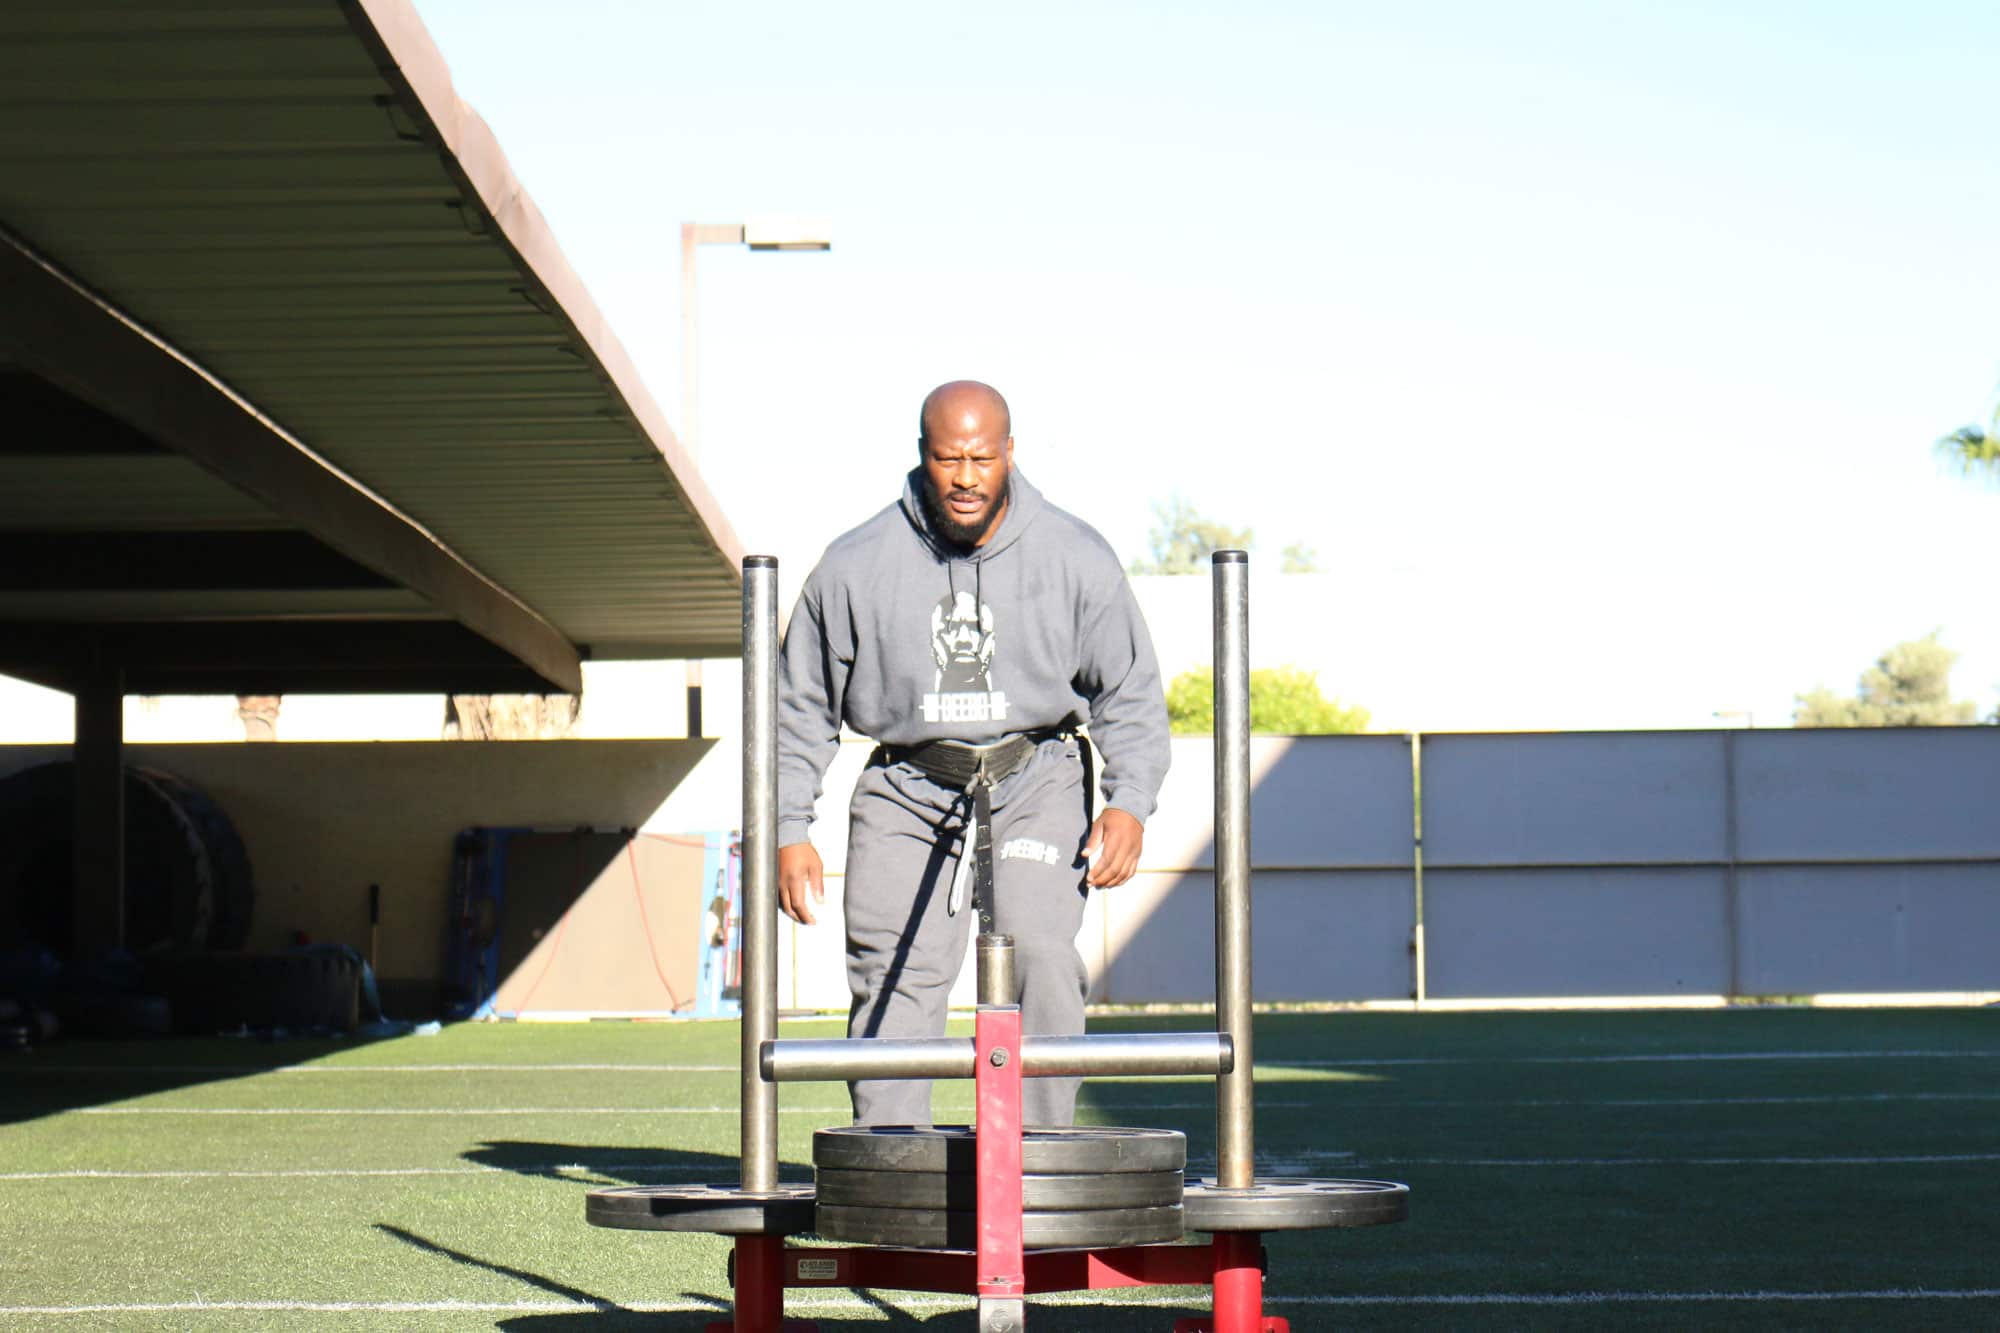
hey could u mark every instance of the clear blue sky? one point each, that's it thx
(1636, 318)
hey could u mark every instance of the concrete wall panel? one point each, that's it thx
(1315, 935)
(1316, 802)
(625, 944)
(1588, 798)
(812, 961)
(1897, 794)
(1870, 928)
(1638, 931)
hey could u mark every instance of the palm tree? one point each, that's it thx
(1974, 452)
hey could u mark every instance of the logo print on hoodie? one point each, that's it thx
(962, 646)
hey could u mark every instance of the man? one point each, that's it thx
(969, 629)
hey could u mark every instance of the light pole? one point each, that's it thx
(774, 234)
(789, 234)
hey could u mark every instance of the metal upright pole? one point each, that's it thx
(1234, 1131)
(760, 868)
(690, 357)
(995, 971)
(98, 832)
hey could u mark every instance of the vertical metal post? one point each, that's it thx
(1238, 1302)
(1419, 960)
(1234, 1132)
(994, 974)
(759, 1287)
(694, 720)
(690, 366)
(97, 759)
(1732, 897)
(760, 867)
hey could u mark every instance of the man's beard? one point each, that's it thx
(965, 534)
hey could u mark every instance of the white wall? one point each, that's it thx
(321, 822)
(1335, 893)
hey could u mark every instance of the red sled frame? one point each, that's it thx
(999, 1272)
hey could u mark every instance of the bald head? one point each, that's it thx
(966, 454)
(964, 408)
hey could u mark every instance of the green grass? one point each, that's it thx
(1565, 1171)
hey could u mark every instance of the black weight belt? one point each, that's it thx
(974, 770)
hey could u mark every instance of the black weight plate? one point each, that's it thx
(1295, 1205)
(960, 1192)
(1045, 1150)
(724, 1210)
(942, 1229)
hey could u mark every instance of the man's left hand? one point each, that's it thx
(1113, 849)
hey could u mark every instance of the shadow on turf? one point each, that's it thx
(550, 1285)
(68, 1074)
(606, 1316)
(634, 1166)
(631, 1166)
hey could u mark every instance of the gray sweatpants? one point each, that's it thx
(904, 949)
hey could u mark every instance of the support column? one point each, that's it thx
(760, 1286)
(1235, 1134)
(1239, 1286)
(98, 864)
(759, 1102)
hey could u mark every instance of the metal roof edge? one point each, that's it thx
(411, 61)
(126, 369)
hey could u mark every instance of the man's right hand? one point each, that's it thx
(801, 881)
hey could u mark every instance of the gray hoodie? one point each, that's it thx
(906, 638)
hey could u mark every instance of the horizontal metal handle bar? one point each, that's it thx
(1129, 1053)
(1133, 1054)
(1432, 866)
(1273, 867)
(840, 1059)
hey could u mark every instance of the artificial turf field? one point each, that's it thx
(1767, 1168)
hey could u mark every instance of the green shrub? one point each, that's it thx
(1284, 701)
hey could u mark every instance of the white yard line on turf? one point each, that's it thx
(1664, 1058)
(1276, 1166)
(248, 1070)
(1358, 1103)
(551, 1110)
(1649, 1297)
(1359, 1062)
(696, 1176)
(1362, 1101)
(798, 1302)
(441, 1110)
(1904, 1159)
(509, 1069)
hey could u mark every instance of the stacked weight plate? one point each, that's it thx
(918, 1186)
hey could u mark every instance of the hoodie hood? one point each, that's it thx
(1024, 505)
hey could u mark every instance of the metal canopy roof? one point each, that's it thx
(296, 390)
